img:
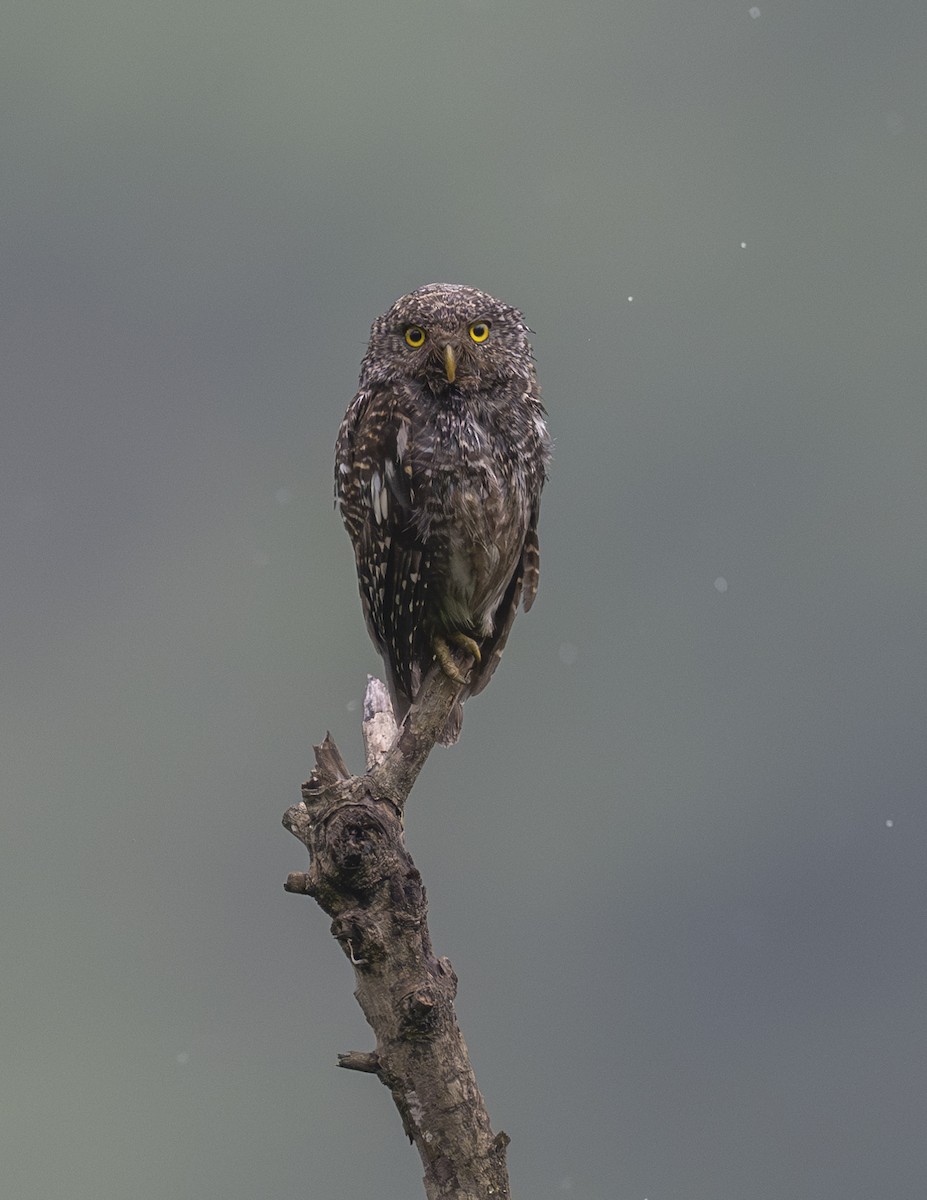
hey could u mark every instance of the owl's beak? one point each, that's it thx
(450, 363)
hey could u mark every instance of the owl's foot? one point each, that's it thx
(468, 645)
(446, 658)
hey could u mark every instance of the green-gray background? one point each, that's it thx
(678, 858)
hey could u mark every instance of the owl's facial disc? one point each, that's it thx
(450, 363)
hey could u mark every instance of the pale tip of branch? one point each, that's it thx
(379, 722)
(376, 698)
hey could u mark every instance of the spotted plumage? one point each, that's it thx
(439, 467)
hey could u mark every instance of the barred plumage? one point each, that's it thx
(439, 467)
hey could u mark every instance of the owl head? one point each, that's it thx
(449, 338)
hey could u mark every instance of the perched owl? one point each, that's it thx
(439, 466)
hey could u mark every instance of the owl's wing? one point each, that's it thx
(373, 483)
(531, 559)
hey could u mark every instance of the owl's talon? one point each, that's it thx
(469, 645)
(445, 657)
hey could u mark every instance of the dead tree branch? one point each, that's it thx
(361, 874)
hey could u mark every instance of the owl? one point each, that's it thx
(439, 466)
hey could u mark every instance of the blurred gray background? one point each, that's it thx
(678, 856)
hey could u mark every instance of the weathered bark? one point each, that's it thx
(361, 874)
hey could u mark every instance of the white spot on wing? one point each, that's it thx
(402, 440)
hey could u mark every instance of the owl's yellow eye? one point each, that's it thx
(415, 337)
(479, 331)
